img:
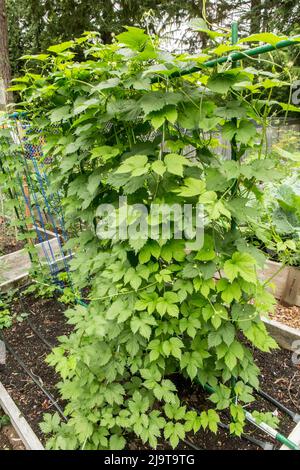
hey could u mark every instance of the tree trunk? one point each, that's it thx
(255, 16)
(5, 72)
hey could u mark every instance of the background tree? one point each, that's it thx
(34, 25)
(5, 71)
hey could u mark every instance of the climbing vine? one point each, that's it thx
(123, 122)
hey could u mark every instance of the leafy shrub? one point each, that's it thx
(116, 124)
(276, 227)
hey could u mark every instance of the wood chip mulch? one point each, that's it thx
(288, 315)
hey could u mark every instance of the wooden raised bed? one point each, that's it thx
(286, 282)
(294, 437)
(19, 423)
(286, 336)
(14, 267)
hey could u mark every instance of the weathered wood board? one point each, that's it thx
(286, 336)
(286, 282)
(18, 421)
(15, 266)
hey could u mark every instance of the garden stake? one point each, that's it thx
(295, 416)
(263, 444)
(191, 445)
(264, 427)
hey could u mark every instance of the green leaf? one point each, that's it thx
(243, 131)
(115, 308)
(199, 24)
(166, 304)
(266, 417)
(132, 278)
(60, 114)
(269, 38)
(142, 325)
(106, 84)
(134, 38)
(50, 423)
(232, 109)
(207, 252)
(213, 420)
(176, 345)
(157, 100)
(229, 292)
(59, 48)
(151, 248)
(159, 167)
(221, 82)
(116, 442)
(83, 104)
(83, 427)
(193, 421)
(258, 335)
(244, 393)
(221, 397)
(40, 57)
(192, 187)
(174, 249)
(230, 359)
(93, 182)
(105, 152)
(289, 107)
(136, 165)
(236, 428)
(230, 169)
(243, 312)
(241, 264)
(175, 163)
(174, 432)
(171, 114)
(168, 113)
(262, 170)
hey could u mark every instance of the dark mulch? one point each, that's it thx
(9, 243)
(4, 441)
(47, 317)
(279, 377)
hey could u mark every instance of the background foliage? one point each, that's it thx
(36, 24)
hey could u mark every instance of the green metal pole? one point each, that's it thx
(234, 32)
(235, 56)
(253, 52)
